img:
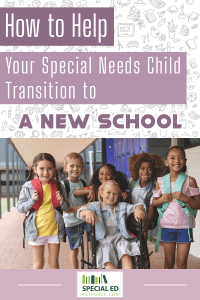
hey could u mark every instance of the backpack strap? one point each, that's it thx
(133, 185)
(84, 185)
(83, 182)
(38, 187)
(67, 186)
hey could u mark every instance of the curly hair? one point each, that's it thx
(136, 160)
(117, 176)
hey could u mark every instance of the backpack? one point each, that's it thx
(37, 186)
(163, 207)
(67, 186)
(147, 202)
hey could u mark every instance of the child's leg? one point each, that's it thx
(38, 257)
(53, 255)
(109, 265)
(182, 255)
(126, 262)
(169, 249)
(74, 258)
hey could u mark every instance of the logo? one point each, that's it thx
(99, 284)
(94, 280)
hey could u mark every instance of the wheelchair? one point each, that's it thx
(88, 251)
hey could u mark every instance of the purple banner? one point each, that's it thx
(140, 284)
(57, 26)
(93, 78)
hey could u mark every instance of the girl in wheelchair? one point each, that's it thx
(114, 242)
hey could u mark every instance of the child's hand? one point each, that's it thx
(180, 196)
(139, 213)
(91, 195)
(59, 197)
(90, 217)
(166, 197)
(35, 196)
(124, 195)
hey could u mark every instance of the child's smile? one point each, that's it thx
(74, 169)
(176, 160)
(105, 174)
(110, 194)
(45, 171)
(145, 171)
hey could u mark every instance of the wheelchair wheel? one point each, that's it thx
(88, 250)
(142, 261)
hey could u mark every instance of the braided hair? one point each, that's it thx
(48, 157)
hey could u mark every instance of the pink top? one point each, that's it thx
(175, 216)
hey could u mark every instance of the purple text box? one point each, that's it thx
(131, 78)
(17, 29)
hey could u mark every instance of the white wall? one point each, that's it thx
(193, 169)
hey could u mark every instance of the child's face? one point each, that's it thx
(145, 171)
(45, 171)
(175, 160)
(74, 168)
(110, 194)
(105, 174)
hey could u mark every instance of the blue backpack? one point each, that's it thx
(163, 207)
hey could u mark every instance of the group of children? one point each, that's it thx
(55, 209)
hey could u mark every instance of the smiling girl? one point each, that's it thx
(177, 199)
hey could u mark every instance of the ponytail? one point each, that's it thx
(31, 174)
(57, 181)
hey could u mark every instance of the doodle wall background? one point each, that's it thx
(140, 26)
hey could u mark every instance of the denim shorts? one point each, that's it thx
(75, 233)
(176, 235)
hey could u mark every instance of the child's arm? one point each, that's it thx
(137, 209)
(86, 191)
(73, 210)
(25, 203)
(139, 213)
(62, 197)
(89, 216)
(163, 199)
(193, 203)
(88, 212)
(81, 192)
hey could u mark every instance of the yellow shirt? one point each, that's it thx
(45, 219)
